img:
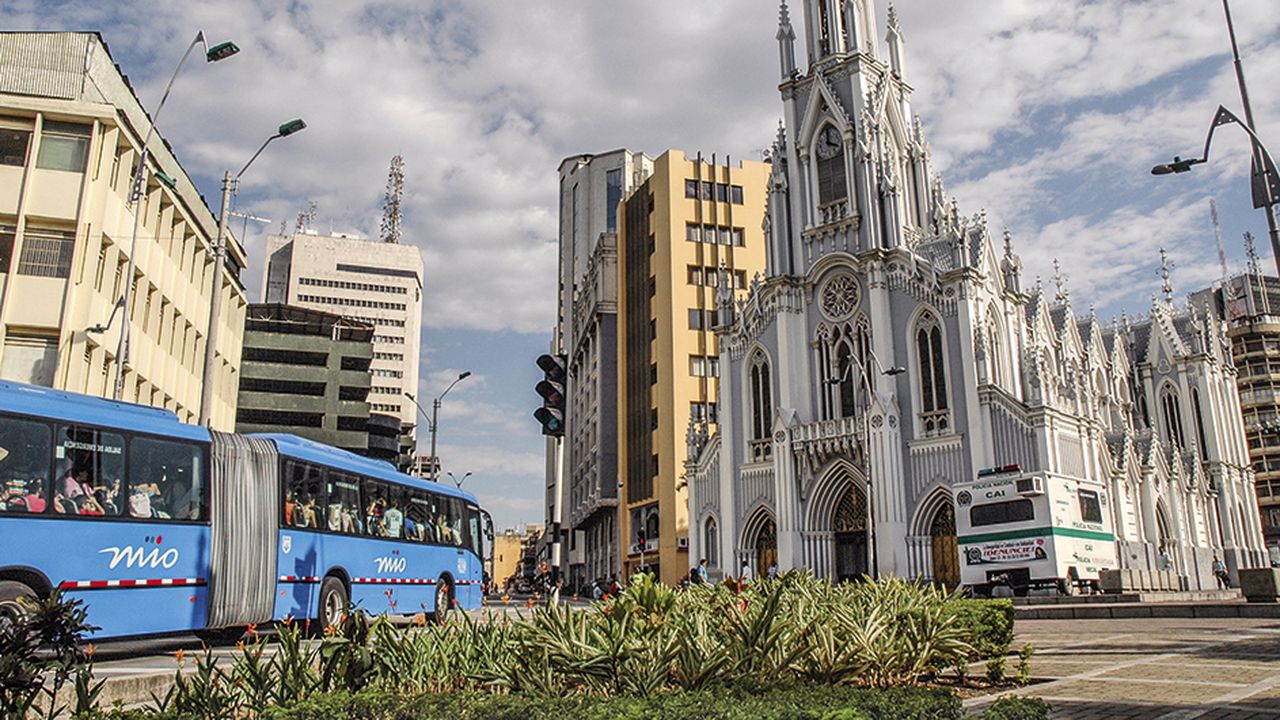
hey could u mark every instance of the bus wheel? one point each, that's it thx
(333, 602)
(11, 610)
(444, 600)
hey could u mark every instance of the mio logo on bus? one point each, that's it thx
(139, 556)
(391, 564)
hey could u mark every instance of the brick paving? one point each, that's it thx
(1154, 669)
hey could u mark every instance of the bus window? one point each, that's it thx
(443, 523)
(417, 517)
(1001, 512)
(393, 516)
(473, 530)
(457, 521)
(90, 472)
(166, 480)
(25, 450)
(1090, 508)
(343, 513)
(303, 495)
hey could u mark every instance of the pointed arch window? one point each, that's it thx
(931, 360)
(762, 397)
(711, 543)
(830, 165)
(842, 350)
(1171, 415)
(1199, 418)
(995, 351)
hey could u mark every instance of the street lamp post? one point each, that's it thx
(1265, 180)
(221, 51)
(458, 481)
(433, 421)
(873, 563)
(229, 183)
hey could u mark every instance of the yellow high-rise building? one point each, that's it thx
(692, 227)
(71, 131)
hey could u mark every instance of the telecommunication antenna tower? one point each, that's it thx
(390, 229)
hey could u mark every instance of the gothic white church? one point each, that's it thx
(871, 266)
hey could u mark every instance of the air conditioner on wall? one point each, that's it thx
(682, 542)
(1030, 486)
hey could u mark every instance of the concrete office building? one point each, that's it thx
(372, 281)
(1250, 305)
(691, 229)
(591, 186)
(71, 130)
(306, 372)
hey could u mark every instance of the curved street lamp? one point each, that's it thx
(229, 184)
(873, 563)
(221, 51)
(1265, 180)
(433, 421)
(458, 481)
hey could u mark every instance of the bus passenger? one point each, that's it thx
(444, 533)
(392, 519)
(289, 505)
(140, 500)
(308, 517)
(35, 497)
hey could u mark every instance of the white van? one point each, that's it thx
(1037, 530)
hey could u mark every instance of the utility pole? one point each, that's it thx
(215, 304)
(1259, 175)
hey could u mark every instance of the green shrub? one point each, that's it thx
(1011, 707)
(989, 624)
(801, 702)
(1024, 664)
(995, 670)
(40, 653)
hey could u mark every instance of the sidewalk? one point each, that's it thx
(1158, 668)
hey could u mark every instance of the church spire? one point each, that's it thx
(897, 54)
(1062, 296)
(1166, 285)
(786, 41)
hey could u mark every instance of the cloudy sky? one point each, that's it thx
(1047, 114)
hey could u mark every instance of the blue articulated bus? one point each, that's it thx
(159, 526)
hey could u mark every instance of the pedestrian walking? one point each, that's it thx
(747, 574)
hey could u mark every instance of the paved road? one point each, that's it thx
(1166, 669)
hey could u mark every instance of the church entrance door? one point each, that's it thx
(850, 532)
(766, 548)
(946, 553)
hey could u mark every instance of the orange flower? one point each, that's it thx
(89, 650)
(330, 630)
(420, 619)
(180, 655)
(288, 620)
(240, 645)
(252, 630)
(528, 603)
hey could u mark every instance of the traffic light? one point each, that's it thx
(551, 388)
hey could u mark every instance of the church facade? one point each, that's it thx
(892, 338)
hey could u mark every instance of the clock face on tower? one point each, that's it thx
(829, 142)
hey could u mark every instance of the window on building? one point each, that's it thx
(1171, 414)
(761, 397)
(695, 275)
(7, 236)
(735, 194)
(691, 188)
(32, 359)
(1199, 417)
(13, 147)
(932, 360)
(612, 196)
(46, 253)
(830, 164)
(63, 146)
(711, 543)
(692, 232)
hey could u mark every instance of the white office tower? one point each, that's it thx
(373, 281)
